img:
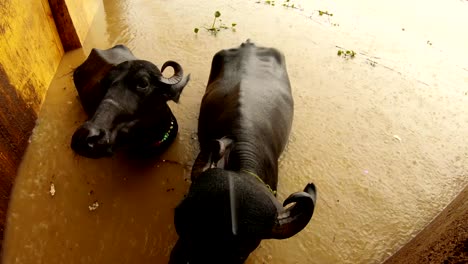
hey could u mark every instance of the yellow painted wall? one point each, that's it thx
(82, 14)
(30, 48)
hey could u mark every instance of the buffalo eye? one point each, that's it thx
(143, 84)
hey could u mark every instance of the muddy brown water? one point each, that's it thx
(382, 135)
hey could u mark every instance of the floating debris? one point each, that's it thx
(52, 189)
(397, 138)
(94, 206)
(371, 62)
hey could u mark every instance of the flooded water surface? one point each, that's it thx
(382, 134)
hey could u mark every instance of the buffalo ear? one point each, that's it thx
(221, 149)
(174, 91)
(215, 156)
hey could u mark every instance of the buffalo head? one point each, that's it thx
(227, 213)
(127, 103)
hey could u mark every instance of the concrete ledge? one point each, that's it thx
(30, 52)
(444, 240)
(17, 121)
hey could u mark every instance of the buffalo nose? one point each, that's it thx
(89, 137)
(95, 135)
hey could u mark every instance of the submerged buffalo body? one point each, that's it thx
(244, 124)
(126, 99)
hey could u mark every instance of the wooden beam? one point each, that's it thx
(65, 27)
(73, 19)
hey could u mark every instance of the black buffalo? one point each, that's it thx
(244, 125)
(126, 99)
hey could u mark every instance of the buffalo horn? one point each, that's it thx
(293, 219)
(178, 73)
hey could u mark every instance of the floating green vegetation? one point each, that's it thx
(288, 4)
(217, 25)
(347, 54)
(326, 16)
(321, 13)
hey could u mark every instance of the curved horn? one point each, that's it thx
(293, 219)
(178, 73)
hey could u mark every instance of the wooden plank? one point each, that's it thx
(73, 19)
(66, 29)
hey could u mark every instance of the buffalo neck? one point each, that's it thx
(157, 115)
(254, 158)
(157, 127)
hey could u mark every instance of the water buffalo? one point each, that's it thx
(126, 99)
(244, 124)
